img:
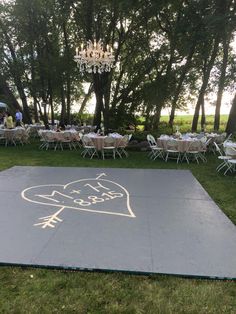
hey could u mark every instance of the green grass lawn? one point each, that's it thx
(50, 291)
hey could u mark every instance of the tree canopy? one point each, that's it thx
(168, 53)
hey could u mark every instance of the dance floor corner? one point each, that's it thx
(141, 221)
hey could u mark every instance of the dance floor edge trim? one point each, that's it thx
(111, 271)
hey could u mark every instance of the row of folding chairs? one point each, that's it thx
(195, 150)
(55, 140)
(110, 147)
(14, 136)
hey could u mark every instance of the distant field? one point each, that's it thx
(185, 121)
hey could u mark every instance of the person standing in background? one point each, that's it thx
(18, 118)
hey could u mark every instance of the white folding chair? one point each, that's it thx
(65, 140)
(2, 137)
(156, 151)
(232, 161)
(172, 151)
(123, 143)
(194, 150)
(109, 147)
(224, 159)
(49, 138)
(232, 166)
(89, 147)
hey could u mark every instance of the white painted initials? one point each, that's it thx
(75, 191)
(53, 194)
(96, 188)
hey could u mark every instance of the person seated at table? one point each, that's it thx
(8, 122)
(61, 127)
(130, 127)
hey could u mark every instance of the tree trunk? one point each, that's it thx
(44, 114)
(98, 89)
(221, 83)
(51, 100)
(33, 84)
(39, 107)
(147, 118)
(17, 76)
(36, 115)
(68, 75)
(106, 94)
(206, 75)
(180, 83)
(42, 81)
(63, 106)
(203, 118)
(68, 99)
(52, 109)
(86, 98)
(6, 91)
(156, 118)
(231, 124)
(197, 108)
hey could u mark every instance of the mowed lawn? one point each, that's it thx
(28, 290)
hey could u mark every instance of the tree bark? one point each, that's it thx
(106, 96)
(203, 118)
(17, 76)
(44, 114)
(68, 74)
(221, 83)
(156, 118)
(36, 115)
(63, 105)
(33, 84)
(98, 89)
(186, 67)
(147, 118)
(85, 100)
(231, 124)
(6, 91)
(206, 75)
(50, 90)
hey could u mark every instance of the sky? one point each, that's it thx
(209, 107)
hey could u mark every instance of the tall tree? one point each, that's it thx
(221, 83)
(16, 69)
(226, 33)
(231, 124)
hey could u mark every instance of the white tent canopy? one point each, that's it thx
(3, 105)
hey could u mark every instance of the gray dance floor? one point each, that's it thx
(132, 220)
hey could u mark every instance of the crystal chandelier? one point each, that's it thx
(94, 58)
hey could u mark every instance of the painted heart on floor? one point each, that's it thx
(95, 195)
